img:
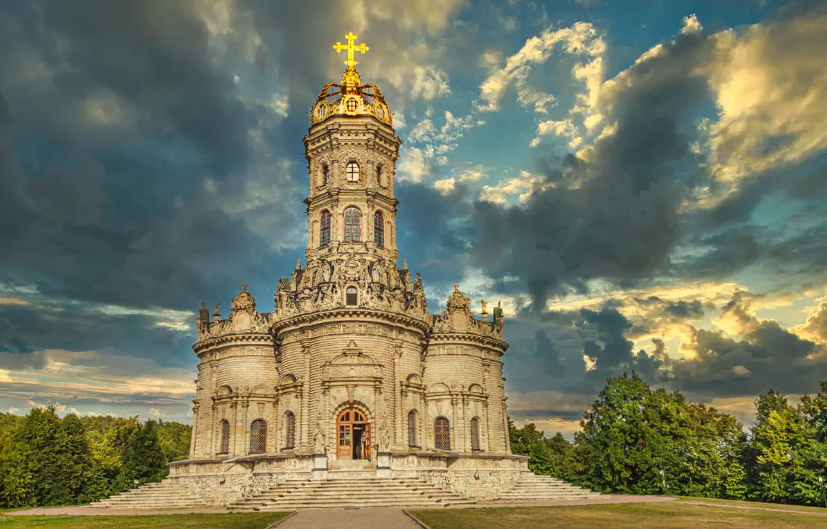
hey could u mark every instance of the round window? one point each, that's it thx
(351, 105)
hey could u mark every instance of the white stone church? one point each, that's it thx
(350, 381)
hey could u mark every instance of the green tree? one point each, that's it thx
(143, 459)
(175, 440)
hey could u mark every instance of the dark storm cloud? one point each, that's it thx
(153, 55)
(79, 327)
(114, 115)
(622, 221)
(763, 356)
(433, 229)
(609, 348)
(548, 355)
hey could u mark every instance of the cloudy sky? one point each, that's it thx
(642, 184)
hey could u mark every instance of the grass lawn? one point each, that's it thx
(167, 521)
(672, 515)
(782, 506)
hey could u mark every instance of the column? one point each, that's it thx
(245, 448)
(455, 420)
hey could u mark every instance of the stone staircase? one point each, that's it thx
(533, 487)
(353, 493)
(164, 495)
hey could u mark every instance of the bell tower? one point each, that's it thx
(351, 150)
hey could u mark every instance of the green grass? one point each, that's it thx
(781, 506)
(166, 521)
(672, 515)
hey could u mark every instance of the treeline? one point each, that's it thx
(637, 440)
(46, 460)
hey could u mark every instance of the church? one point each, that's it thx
(350, 376)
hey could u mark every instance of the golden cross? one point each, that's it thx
(350, 47)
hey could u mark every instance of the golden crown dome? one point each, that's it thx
(350, 97)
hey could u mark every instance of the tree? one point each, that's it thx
(143, 459)
(175, 440)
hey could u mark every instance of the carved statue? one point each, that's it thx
(417, 286)
(318, 439)
(283, 285)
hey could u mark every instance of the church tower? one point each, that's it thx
(351, 152)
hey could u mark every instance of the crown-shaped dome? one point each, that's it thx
(350, 97)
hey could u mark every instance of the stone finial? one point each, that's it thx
(484, 305)
(216, 316)
(244, 300)
(404, 264)
(299, 264)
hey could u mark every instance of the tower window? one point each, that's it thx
(325, 174)
(289, 430)
(324, 230)
(378, 229)
(351, 105)
(412, 428)
(351, 298)
(258, 437)
(379, 175)
(353, 228)
(225, 437)
(442, 434)
(475, 433)
(352, 172)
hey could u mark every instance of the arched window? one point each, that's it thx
(475, 433)
(289, 430)
(352, 172)
(324, 230)
(351, 297)
(442, 434)
(353, 225)
(411, 428)
(378, 229)
(225, 437)
(325, 173)
(258, 437)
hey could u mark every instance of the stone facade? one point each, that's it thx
(350, 330)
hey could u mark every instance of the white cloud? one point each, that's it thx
(769, 88)
(523, 186)
(430, 83)
(691, 24)
(564, 127)
(445, 186)
(580, 38)
(412, 167)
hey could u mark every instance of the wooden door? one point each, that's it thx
(352, 435)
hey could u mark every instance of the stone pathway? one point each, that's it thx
(375, 518)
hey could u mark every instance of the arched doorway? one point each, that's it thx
(353, 435)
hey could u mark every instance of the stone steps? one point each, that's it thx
(371, 492)
(163, 495)
(531, 487)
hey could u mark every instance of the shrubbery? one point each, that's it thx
(46, 460)
(642, 441)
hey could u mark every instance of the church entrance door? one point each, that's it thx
(353, 435)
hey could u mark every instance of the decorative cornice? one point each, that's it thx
(464, 337)
(349, 315)
(232, 339)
